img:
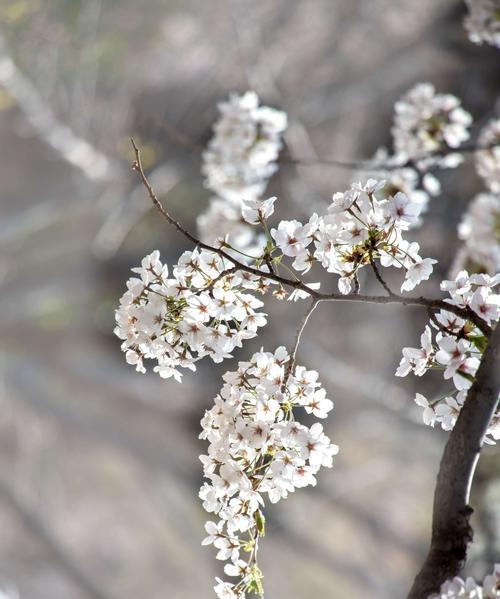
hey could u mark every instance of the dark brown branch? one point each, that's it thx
(451, 531)
(434, 304)
(379, 277)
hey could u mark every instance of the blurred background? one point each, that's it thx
(99, 469)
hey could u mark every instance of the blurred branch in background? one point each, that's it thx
(71, 148)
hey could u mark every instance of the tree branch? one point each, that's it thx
(451, 531)
(434, 304)
(379, 277)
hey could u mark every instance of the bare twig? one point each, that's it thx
(435, 304)
(371, 165)
(298, 335)
(451, 531)
(359, 164)
(379, 277)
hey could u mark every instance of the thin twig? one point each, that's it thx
(371, 165)
(358, 164)
(435, 304)
(221, 275)
(298, 335)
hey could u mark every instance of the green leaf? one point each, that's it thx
(260, 521)
(480, 341)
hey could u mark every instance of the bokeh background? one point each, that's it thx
(98, 464)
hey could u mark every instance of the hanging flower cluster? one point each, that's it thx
(258, 449)
(480, 231)
(199, 311)
(488, 160)
(362, 225)
(483, 22)
(427, 122)
(457, 588)
(237, 164)
(206, 305)
(455, 345)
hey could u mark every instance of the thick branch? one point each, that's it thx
(451, 532)
(434, 304)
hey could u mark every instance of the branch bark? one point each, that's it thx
(451, 531)
(434, 304)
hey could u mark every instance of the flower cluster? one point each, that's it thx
(257, 448)
(241, 156)
(483, 22)
(198, 311)
(405, 179)
(488, 159)
(457, 588)
(455, 345)
(237, 164)
(362, 225)
(222, 223)
(427, 122)
(480, 231)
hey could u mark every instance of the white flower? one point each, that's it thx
(239, 568)
(343, 201)
(214, 531)
(405, 180)
(428, 415)
(404, 212)
(485, 304)
(292, 237)
(417, 360)
(491, 584)
(418, 272)
(254, 211)
(481, 235)
(457, 588)
(226, 590)
(488, 160)
(222, 223)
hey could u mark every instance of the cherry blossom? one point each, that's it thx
(480, 232)
(458, 588)
(488, 159)
(426, 122)
(257, 448)
(456, 348)
(240, 157)
(196, 312)
(483, 22)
